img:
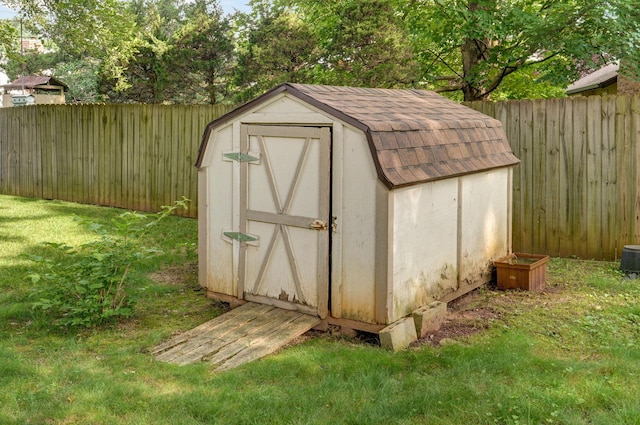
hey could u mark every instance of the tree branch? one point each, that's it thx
(439, 57)
(446, 78)
(513, 68)
(448, 89)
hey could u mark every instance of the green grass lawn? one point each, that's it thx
(567, 355)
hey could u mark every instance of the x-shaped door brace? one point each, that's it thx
(281, 228)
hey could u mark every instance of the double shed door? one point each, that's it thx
(284, 211)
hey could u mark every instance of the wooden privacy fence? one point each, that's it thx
(137, 157)
(577, 189)
(576, 192)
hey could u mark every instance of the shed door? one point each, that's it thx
(284, 206)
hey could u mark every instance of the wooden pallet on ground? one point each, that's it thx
(239, 336)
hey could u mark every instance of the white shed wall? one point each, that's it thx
(485, 222)
(354, 271)
(424, 244)
(217, 257)
(445, 235)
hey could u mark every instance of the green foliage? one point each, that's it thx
(472, 45)
(81, 77)
(91, 285)
(361, 42)
(180, 51)
(201, 55)
(9, 39)
(79, 27)
(526, 84)
(180, 54)
(275, 46)
(349, 42)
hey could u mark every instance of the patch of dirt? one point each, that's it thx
(461, 324)
(464, 317)
(474, 312)
(176, 274)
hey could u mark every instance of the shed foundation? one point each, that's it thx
(429, 318)
(399, 335)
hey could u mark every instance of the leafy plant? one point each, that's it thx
(90, 285)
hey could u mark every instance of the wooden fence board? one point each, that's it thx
(25, 150)
(539, 171)
(98, 148)
(634, 136)
(552, 172)
(593, 186)
(527, 176)
(87, 133)
(75, 166)
(46, 136)
(564, 188)
(170, 160)
(177, 142)
(512, 129)
(610, 202)
(14, 140)
(578, 178)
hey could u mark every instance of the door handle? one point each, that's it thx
(318, 225)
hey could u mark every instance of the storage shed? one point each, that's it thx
(356, 205)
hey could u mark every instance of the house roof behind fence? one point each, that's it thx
(601, 78)
(414, 136)
(34, 81)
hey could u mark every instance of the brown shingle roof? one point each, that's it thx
(415, 136)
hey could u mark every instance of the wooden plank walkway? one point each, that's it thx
(239, 336)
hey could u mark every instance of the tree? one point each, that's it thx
(81, 76)
(346, 42)
(9, 39)
(80, 27)
(139, 73)
(275, 45)
(200, 55)
(180, 55)
(361, 43)
(473, 45)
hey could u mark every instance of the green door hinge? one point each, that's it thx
(240, 157)
(241, 237)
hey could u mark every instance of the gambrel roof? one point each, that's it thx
(414, 136)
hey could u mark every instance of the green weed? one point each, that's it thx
(90, 285)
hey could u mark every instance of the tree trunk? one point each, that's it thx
(472, 56)
(473, 53)
(212, 90)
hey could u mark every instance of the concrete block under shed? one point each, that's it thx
(398, 335)
(429, 318)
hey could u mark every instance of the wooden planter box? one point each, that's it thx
(522, 271)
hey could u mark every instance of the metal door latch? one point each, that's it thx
(318, 225)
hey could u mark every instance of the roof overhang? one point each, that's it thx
(594, 86)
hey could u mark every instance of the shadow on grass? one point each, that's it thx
(54, 208)
(13, 219)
